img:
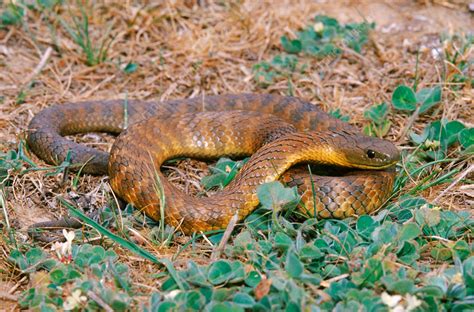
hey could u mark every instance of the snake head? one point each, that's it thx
(368, 152)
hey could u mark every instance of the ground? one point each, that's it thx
(182, 49)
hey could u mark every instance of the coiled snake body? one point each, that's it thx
(290, 130)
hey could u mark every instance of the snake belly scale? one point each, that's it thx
(279, 131)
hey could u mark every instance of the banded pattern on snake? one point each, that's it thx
(290, 130)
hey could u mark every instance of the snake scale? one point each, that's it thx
(277, 131)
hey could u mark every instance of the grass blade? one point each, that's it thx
(124, 243)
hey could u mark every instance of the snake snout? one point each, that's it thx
(372, 153)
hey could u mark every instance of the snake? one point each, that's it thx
(280, 134)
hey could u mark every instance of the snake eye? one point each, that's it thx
(370, 154)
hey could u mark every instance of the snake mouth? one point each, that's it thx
(337, 171)
(374, 167)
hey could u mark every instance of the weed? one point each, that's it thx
(439, 135)
(222, 173)
(13, 161)
(281, 66)
(327, 37)
(11, 15)
(404, 98)
(92, 271)
(377, 116)
(80, 34)
(337, 114)
(457, 52)
(323, 39)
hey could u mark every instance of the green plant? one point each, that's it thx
(31, 261)
(457, 51)
(222, 173)
(377, 116)
(92, 272)
(80, 34)
(304, 255)
(326, 37)
(281, 66)
(439, 135)
(11, 15)
(337, 114)
(404, 98)
(13, 161)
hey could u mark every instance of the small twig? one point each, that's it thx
(117, 203)
(7, 297)
(3, 203)
(207, 239)
(39, 67)
(17, 285)
(328, 282)
(125, 111)
(216, 253)
(439, 238)
(461, 176)
(98, 86)
(409, 124)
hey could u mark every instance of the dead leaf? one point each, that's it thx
(263, 288)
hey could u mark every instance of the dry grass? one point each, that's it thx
(193, 48)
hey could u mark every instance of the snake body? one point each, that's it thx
(290, 130)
